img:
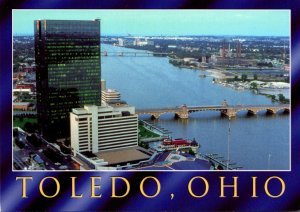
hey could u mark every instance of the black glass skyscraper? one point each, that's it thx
(67, 56)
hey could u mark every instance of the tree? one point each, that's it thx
(244, 77)
(15, 132)
(191, 152)
(19, 143)
(281, 98)
(253, 86)
(29, 127)
(35, 127)
(255, 76)
(273, 97)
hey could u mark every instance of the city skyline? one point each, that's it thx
(168, 23)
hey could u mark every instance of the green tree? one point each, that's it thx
(29, 127)
(191, 152)
(282, 99)
(273, 97)
(35, 127)
(244, 77)
(15, 132)
(253, 86)
(255, 76)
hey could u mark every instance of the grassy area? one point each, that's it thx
(280, 98)
(144, 133)
(20, 122)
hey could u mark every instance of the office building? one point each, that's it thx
(67, 71)
(102, 128)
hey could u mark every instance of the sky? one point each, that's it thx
(167, 22)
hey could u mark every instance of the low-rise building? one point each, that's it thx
(25, 106)
(110, 95)
(169, 144)
(30, 86)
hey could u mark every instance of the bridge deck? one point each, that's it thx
(171, 109)
(136, 54)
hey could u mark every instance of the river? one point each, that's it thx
(256, 143)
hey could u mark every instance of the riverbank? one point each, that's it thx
(226, 79)
(216, 73)
(273, 90)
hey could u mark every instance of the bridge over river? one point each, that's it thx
(135, 54)
(227, 110)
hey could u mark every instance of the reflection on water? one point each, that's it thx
(151, 82)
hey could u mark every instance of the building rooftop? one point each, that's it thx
(21, 103)
(197, 164)
(119, 156)
(174, 161)
(111, 91)
(79, 110)
(114, 101)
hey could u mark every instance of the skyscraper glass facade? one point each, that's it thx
(68, 71)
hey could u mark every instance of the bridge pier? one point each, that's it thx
(271, 111)
(182, 115)
(155, 116)
(252, 112)
(230, 113)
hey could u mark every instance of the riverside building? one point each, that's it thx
(67, 56)
(102, 128)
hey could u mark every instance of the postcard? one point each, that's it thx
(162, 109)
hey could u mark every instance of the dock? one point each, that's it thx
(164, 133)
(219, 163)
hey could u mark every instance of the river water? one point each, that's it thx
(256, 143)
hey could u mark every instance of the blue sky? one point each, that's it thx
(167, 22)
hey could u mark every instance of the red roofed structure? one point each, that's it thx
(169, 144)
